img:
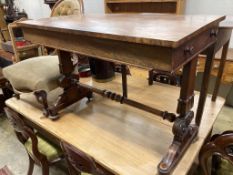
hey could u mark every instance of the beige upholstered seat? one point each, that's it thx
(34, 74)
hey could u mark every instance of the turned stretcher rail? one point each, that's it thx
(123, 100)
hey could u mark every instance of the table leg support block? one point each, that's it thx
(69, 96)
(184, 135)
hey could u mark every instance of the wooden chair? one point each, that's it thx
(219, 145)
(79, 162)
(68, 7)
(39, 150)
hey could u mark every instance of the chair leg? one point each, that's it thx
(31, 166)
(204, 164)
(216, 164)
(45, 168)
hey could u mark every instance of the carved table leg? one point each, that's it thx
(220, 145)
(72, 92)
(220, 71)
(184, 133)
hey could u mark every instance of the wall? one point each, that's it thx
(37, 8)
(217, 7)
(94, 6)
(34, 8)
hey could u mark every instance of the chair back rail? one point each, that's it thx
(80, 162)
(220, 145)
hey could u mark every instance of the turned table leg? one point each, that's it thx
(184, 133)
(220, 71)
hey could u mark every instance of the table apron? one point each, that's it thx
(193, 48)
(139, 55)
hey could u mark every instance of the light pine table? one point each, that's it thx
(123, 139)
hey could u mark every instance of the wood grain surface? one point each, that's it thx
(155, 29)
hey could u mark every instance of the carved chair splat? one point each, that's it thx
(79, 162)
(220, 145)
(25, 133)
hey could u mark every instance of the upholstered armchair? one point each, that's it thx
(40, 74)
(67, 7)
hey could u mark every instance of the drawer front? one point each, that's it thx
(191, 49)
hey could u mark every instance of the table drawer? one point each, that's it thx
(199, 44)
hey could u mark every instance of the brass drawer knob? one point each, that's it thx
(214, 33)
(189, 50)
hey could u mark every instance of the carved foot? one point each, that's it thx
(69, 96)
(184, 134)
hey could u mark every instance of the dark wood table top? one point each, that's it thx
(166, 30)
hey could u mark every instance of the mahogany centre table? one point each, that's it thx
(154, 41)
